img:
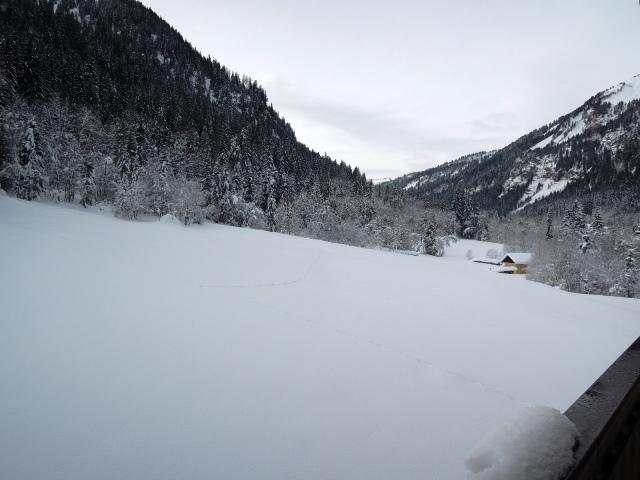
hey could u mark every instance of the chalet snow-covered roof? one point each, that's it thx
(518, 257)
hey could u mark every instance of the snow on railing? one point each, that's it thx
(537, 445)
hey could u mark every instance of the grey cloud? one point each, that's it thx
(386, 130)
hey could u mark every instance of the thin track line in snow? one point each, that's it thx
(372, 343)
(453, 373)
(299, 279)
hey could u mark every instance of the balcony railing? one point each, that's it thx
(607, 416)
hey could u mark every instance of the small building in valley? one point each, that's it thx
(517, 263)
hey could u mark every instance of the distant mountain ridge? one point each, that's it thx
(594, 150)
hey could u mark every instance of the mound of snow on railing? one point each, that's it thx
(537, 445)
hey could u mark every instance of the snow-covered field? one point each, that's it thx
(153, 351)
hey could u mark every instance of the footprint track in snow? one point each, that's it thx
(285, 283)
(412, 358)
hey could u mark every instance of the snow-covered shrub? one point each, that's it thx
(348, 233)
(445, 241)
(130, 200)
(235, 210)
(188, 205)
(169, 219)
(245, 214)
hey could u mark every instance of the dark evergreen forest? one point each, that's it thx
(105, 102)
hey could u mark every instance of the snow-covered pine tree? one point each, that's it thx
(105, 179)
(585, 245)
(143, 147)
(577, 217)
(223, 193)
(429, 241)
(573, 219)
(29, 181)
(286, 191)
(236, 178)
(598, 223)
(271, 205)
(628, 284)
(549, 234)
(396, 198)
(30, 152)
(128, 159)
(366, 211)
(467, 214)
(218, 183)
(69, 174)
(4, 148)
(473, 218)
(567, 221)
(248, 182)
(356, 184)
(630, 280)
(460, 210)
(630, 261)
(8, 83)
(87, 186)
(90, 83)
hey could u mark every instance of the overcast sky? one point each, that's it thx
(398, 86)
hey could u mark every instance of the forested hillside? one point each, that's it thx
(102, 101)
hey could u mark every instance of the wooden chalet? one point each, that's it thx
(517, 263)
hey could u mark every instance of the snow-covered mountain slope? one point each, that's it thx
(595, 148)
(153, 351)
(594, 113)
(423, 179)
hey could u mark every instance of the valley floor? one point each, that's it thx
(148, 350)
